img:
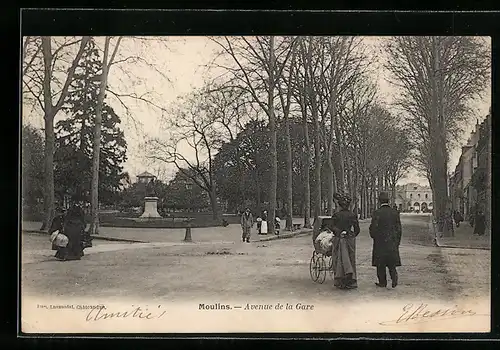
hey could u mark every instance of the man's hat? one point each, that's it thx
(383, 196)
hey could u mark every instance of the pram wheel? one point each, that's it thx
(317, 268)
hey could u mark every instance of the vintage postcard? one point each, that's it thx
(292, 184)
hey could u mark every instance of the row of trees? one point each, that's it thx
(69, 75)
(286, 118)
(74, 141)
(298, 117)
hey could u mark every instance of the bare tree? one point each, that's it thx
(230, 108)
(285, 90)
(357, 133)
(48, 70)
(437, 78)
(346, 65)
(106, 65)
(397, 155)
(310, 62)
(300, 97)
(248, 58)
(193, 129)
(47, 75)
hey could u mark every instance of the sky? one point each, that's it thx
(170, 67)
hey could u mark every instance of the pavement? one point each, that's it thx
(462, 238)
(427, 269)
(217, 268)
(202, 234)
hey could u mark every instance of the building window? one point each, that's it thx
(426, 196)
(418, 195)
(411, 195)
(415, 188)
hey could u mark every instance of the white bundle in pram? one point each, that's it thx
(324, 241)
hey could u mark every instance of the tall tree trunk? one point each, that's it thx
(289, 187)
(365, 199)
(330, 180)
(349, 184)
(438, 145)
(213, 203)
(317, 168)
(241, 197)
(49, 114)
(356, 185)
(374, 194)
(340, 158)
(49, 197)
(259, 196)
(272, 131)
(306, 170)
(94, 226)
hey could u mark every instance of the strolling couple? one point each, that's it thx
(385, 230)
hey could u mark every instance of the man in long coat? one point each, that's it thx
(385, 229)
(246, 225)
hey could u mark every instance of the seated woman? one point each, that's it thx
(346, 229)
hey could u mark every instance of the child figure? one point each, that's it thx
(277, 226)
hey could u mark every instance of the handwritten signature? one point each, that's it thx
(414, 313)
(134, 312)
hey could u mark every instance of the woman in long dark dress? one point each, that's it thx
(346, 229)
(57, 225)
(74, 227)
(479, 222)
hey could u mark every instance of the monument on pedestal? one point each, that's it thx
(150, 208)
(150, 202)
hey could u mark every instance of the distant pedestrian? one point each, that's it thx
(448, 221)
(457, 216)
(246, 225)
(259, 225)
(264, 224)
(277, 226)
(385, 230)
(479, 223)
(472, 215)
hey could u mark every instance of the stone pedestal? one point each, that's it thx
(150, 208)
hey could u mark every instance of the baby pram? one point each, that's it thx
(321, 260)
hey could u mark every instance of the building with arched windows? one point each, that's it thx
(413, 197)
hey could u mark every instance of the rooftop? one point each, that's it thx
(146, 174)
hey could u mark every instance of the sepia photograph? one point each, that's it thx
(255, 184)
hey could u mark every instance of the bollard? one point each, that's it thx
(187, 237)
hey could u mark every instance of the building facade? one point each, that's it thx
(470, 183)
(413, 197)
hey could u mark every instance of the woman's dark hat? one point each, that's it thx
(383, 196)
(343, 198)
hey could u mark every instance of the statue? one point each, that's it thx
(150, 202)
(150, 189)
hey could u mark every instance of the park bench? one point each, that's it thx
(296, 226)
